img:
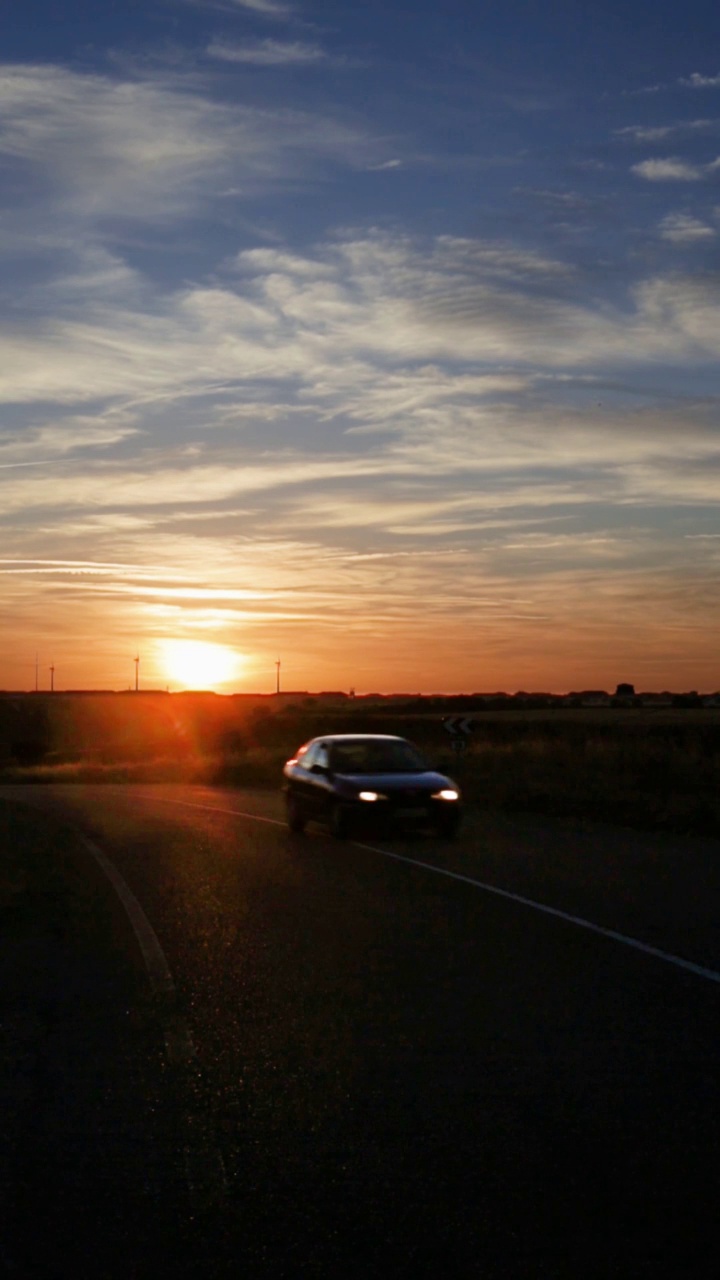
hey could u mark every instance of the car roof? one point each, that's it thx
(357, 737)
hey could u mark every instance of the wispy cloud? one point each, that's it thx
(176, 486)
(696, 80)
(670, 169)
(24, 565)
(269, 53)
(699, 81)
(646, 133)
(62, 435)
(9, 466)
(661, 133)
(271, 8)
(316, 321)
(275, 9)
(100, 147)
(682, 228)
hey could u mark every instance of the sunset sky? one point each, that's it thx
(379, 338)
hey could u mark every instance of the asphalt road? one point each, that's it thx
(394, 1071)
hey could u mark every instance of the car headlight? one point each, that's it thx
(371, 795)
(446, 794)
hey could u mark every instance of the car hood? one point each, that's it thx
(426, 781)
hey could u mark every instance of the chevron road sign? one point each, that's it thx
(459, 726)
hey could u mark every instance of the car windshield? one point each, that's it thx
(376, 756)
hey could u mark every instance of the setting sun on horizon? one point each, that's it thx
(199, 664)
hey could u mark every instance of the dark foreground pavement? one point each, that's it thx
(401, 1075)
(91, 1155)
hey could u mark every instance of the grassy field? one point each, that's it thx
(653, 768)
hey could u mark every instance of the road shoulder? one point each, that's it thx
(81, 1066)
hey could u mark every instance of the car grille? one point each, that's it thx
(409, 798)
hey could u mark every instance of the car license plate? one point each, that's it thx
(416, 811)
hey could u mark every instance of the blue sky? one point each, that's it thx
(383, 338)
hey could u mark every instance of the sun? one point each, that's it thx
(198, 664)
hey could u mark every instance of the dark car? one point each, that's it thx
(349, 780)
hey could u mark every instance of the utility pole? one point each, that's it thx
(137, 672)
(36, 673)
(277, 678)
(52, 679)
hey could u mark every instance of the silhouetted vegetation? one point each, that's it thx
(637, 766)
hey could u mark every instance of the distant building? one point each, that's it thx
(587, 698)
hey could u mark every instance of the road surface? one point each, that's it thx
(352, 1064)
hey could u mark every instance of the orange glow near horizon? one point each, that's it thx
(199, 664)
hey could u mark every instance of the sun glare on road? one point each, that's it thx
(198, 664)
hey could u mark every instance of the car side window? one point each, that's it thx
(322, 756)
(307, 759)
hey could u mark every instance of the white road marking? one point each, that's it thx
(211, 808)
(625, 940)
(204, 1165)
(711, 974)
(178, 1041)
(157, 966)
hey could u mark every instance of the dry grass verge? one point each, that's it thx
(625, 769)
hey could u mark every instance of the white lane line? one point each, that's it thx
(157, 966)
(178, 1041)
(698, 970)
(211, 808)
(204, 1166)
(711, 974)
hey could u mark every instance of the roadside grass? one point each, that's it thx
(637, 781)
(253, 767)
(84, 771)
(630, 771)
